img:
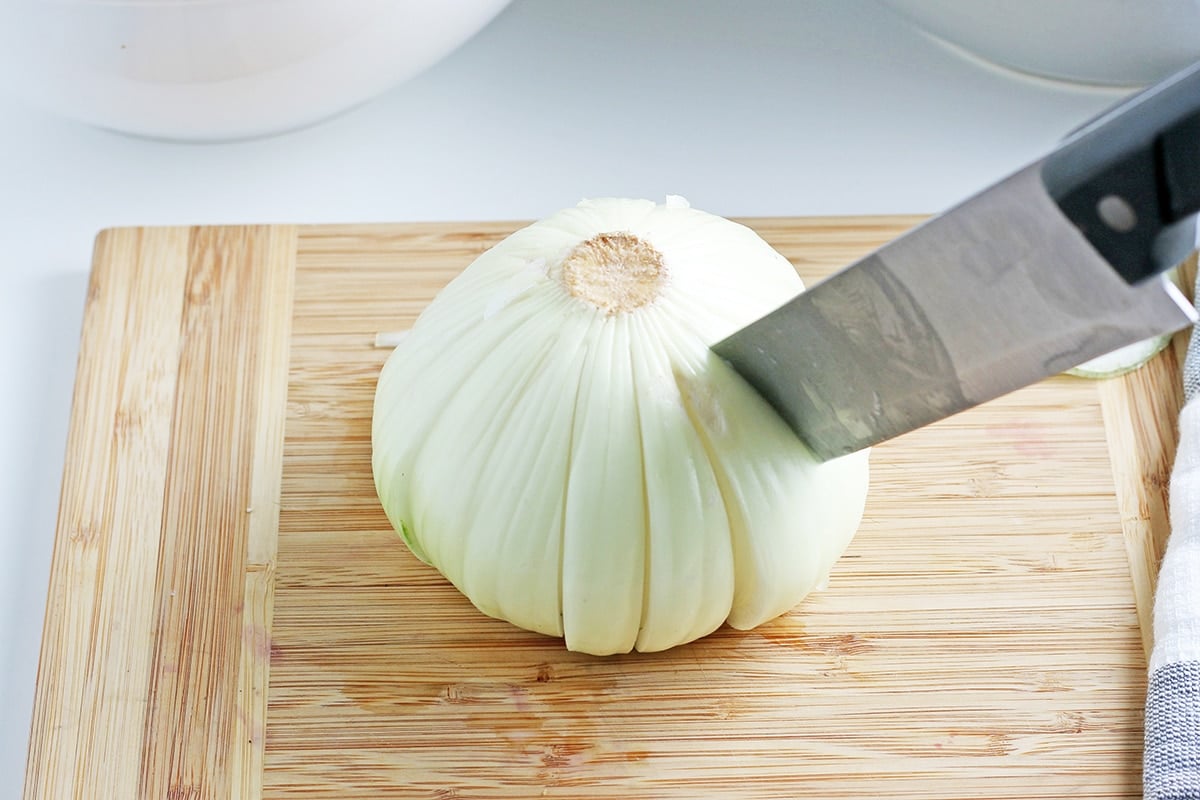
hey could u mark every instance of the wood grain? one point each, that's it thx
(94, 670)
(981, 637)
(160, 590)
(1141, 415)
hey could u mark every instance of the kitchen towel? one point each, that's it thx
(1172, 755)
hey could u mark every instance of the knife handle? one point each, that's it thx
(1130, 180)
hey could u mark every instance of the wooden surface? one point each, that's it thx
(230, 614)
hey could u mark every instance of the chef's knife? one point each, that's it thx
(1059, 263)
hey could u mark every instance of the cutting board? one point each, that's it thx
(230, 614)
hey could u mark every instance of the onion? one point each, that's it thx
(555, 436)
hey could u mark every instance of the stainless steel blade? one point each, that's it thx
(989, 297)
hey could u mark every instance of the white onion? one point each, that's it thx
(555, 436)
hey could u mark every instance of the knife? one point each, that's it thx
(1058, 263)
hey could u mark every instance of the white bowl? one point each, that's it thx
(222, 69)
(1123, 43)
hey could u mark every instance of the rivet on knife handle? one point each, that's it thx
(1130, 179)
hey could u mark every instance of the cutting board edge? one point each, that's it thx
(890, 219)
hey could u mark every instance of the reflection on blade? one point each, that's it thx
(996, 294)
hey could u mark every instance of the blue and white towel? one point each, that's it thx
(1172, 756)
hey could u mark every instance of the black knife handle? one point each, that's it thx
(1130, 180)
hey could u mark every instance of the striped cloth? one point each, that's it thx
(1172, 756)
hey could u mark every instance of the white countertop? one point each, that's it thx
(750, 108)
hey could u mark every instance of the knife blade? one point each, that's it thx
(1058, 263)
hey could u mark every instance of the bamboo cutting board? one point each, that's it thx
(231, 616)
